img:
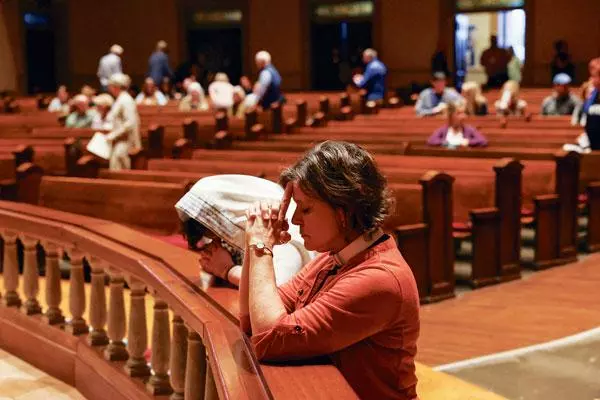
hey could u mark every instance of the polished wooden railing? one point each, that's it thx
(199, 353)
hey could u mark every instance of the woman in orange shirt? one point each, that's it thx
(356, 302)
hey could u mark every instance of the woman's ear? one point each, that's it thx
(342, 218)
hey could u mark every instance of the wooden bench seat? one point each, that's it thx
(147, 205)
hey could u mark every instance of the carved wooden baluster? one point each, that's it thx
(11, 270)
(98, 336)
(30, 276)
(211, 388)
(178, 357)
(77, 326)
(137, 334)
(116, 350)
(53, 315)
(159, 382)
(195, 372)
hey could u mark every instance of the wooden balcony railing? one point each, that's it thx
(199, 353)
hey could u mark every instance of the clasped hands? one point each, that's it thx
(266, 221)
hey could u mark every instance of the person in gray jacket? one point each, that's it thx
(434, 100)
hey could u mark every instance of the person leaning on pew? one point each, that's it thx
(125, 134)
(510, 103)
(562, 101)
(356, 303)
(455, 133)
(433, 100)
(213, 213)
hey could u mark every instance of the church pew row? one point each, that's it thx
(418, 220)
(555, 177)
(145, 205)
(144, 201)
(464, 210)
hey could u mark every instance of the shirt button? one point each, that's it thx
(300, 292)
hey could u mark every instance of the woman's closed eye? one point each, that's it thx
(306, 210)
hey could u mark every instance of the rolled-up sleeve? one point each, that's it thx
(357, 306)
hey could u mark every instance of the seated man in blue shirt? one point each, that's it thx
(434, 100)
(268, 88)
(374, 78)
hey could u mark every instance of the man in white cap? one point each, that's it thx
(158, 64)
(562, 101)
(109, 65)
(125, 134)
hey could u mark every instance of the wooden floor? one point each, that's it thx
(548, 305)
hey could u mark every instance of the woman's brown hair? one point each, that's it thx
(345, 176)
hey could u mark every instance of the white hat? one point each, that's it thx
(116, 49)
(195, 87)
(120, 80)
(104, 99)
(220, 202)
(81, 98)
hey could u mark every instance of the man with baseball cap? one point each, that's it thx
(125, 134)
(562, 101)
(109, 65)
(434, 100)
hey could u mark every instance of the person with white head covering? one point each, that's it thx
(562, 101)
(109, 65)
(220, 92)
(82, 116)
(103, 104)
(213, 212)
(125, 134)
(510, 103)
(195, 99)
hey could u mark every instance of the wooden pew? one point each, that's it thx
(420, 219)
(146, 205)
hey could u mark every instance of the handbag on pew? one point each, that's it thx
(99, 146)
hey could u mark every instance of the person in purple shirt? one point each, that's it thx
(158, 64)
(456, 133)
(374, 78)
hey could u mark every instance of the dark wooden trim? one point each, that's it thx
(508, 201)
(567, 188)
(486, 267)
(593, 215)
(412, 243)
(437, 214)
(547, 223)
(156, 141)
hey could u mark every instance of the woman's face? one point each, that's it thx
(319, 222)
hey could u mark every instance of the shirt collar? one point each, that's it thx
(359, 244)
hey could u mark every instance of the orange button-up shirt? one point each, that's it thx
(364, 315)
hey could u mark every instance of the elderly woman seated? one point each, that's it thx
(356, 303)
(213, 215)
(195, 99)
(455, 133)
(82, 116)
(60, 104)
(510, 103)
(103, 104)
(150, 95)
